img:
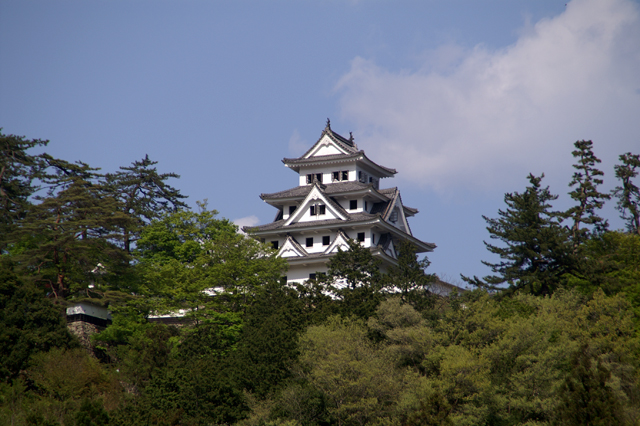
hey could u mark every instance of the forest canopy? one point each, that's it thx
(550, 337)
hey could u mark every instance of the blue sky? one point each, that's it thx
(463, 98)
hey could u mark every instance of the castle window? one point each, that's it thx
(312, 277)
(317, 209)
(326, 240)
(353, 204)
(274, 244)
(292, 209)
(361, 237)
(309, 178)
(319, 177)
(340, 175)
(366, 206)
(310, 242)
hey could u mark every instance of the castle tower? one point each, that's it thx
(338, 197)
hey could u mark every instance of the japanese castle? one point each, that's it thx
(338, 197)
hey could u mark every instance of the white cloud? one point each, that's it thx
(246, 221)
(478, 117)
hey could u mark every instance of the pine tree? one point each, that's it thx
(410, 279)
(628, 194)
(71, 231)
(144, 195)
(18, 170)
(586, 180)
(534, 254)
(354, 278)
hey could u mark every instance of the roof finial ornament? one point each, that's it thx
(328, 126)
(350, 136)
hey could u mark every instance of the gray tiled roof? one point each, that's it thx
(329, 189)
(333, 157)
(379, 207)
(320, 158)
(352, 217)
(388, 191)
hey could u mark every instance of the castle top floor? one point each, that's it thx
(334, 158)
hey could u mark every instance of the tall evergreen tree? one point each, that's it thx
(71, 231)
(534, 251)
(18, 170)
(585, 182)
(628, 194)
(144, 195)
(410, 279)
(354, 278)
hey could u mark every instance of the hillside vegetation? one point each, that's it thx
(549, 338)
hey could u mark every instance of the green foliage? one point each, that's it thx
(628, 194)
(354, 278)
(534, 252)
(586, 398)
(144, 353)
(499, 362)
(29, 323)
(92, 413)
(611, 263)
(187, 257)
(269, 340)
(69, 235)
(343, 364)
(194, 382)
(410, 279)
(143, 195)
(63, 385)
(586, 180)
(18, 171)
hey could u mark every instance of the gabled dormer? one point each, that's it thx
(316, 206)
(291, 248)
(396, 214)
(341, 242)
(331, 143)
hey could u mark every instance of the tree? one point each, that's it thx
(71, 231)
(186, 258)
(628, 194)
(144, 195)
(535, 245)
(586, 398)
(611, 262)
(354, 278)
(358, 381)
(268, 344)
(29, 323)
(586, 179)
(18, 170)
(410, 279)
